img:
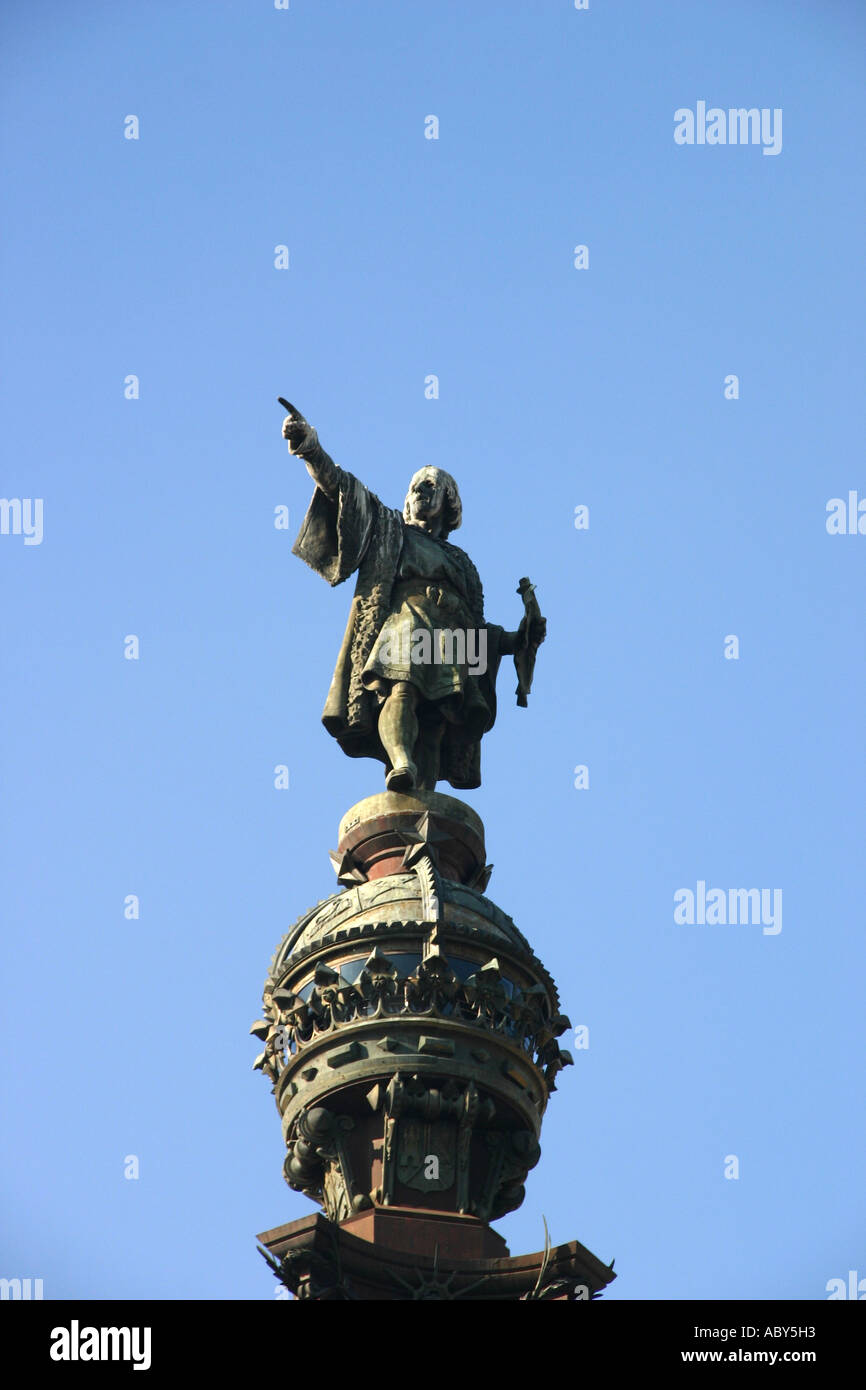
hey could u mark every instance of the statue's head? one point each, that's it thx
(433, 493)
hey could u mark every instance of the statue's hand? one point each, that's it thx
(299, 434)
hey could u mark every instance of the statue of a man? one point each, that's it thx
(415, 680)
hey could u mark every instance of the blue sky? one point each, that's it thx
(558, 387)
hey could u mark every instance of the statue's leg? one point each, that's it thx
(398, 731)
(430, 733)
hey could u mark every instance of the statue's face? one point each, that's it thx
(426, 495)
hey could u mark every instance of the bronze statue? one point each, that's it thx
(415, 680)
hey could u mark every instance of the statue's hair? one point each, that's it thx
(453, 511)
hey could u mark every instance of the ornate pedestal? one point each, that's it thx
(411, 1036)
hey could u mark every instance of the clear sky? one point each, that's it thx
(559, 387)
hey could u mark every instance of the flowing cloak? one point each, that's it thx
(354, 531)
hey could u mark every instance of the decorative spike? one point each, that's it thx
(437, 955)
(347, 868)
(325, 975)
(482, 878)
(423, 839)
(378, 963)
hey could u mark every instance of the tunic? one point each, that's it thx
(428, 629)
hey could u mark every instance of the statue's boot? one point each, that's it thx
(402, 779)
